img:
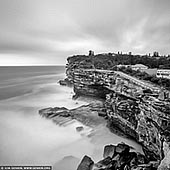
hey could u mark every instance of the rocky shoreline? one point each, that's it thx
(89, 116)
(86, 114)
(126, 108)
(118, 157)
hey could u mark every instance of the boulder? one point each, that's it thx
(79, 128)
(45, 112)
(109, 150)
(62, 82)
(65, 114)
(52, 112)
(102, 114)
(65, 82)
(86, 163)
(122, 148)
(126, 160)
(104, 164)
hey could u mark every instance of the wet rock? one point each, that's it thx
(65, 114)
(122, 148)
(87, 114)
(65, 82)
(102, 114)
(79, 128)
(62, 82)
(118, 158)
(104, 164)
(86, 163)
(109, 151)
(52, 112)
(126, 159)
(46, 112)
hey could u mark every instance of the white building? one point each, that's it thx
(163, 73)
(136, 67)
(140, 67)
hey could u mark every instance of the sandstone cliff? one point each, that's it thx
(139, 115)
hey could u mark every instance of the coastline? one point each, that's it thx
(42, 141)
(94, 127)
(134, 112)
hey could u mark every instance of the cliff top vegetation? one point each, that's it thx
(109, 60)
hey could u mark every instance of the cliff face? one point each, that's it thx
(92, 82)
(140, 115)
(141, 120)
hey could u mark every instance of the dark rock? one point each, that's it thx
(87, 114)
(45, 112)
(122, 148)
(65, 114)
(127, 159)
(62, 82)
(104, 164)
(102, 114)
(52, 112)
(86, 163)
(65, 82)
(79, 128)
(109, 150)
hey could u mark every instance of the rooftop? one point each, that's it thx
(139, 65)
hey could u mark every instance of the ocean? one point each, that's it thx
(28, 139)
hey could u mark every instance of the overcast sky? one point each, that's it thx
(48, 31)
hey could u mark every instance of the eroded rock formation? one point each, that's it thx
(128, 105)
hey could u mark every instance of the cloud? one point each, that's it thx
(61, 28)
